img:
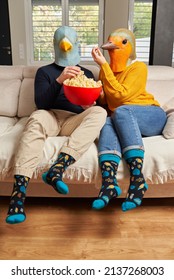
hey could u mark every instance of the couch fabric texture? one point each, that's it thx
(17, 103)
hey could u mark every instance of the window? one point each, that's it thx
(140, 17)
(86, 16)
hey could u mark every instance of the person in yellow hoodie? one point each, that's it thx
(133, 113)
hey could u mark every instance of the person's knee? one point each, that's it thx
(99, 112)
(108, 121)
(39, 116)
(122, 112)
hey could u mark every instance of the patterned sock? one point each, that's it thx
(138, 185)
(110, 189)
(16, 212)
(54, 175)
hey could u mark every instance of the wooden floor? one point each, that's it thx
(66, 228)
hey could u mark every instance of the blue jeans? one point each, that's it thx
(127, 125)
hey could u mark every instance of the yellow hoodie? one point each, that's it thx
(126, 87)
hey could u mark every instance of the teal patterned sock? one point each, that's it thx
(138, 185)
(110, 189)
(16, 212)
(54, 175)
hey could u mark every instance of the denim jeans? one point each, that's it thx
(127, 125)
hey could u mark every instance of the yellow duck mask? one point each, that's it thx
(121, 48)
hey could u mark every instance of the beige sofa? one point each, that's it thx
(83, 177)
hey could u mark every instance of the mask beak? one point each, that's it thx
(65, 45)
(109, 46)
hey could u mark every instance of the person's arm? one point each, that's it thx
(132, 85)
(89, 75)
(100, 60)
(134, 81)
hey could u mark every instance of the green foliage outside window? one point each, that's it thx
(46, 19)
(142, 19)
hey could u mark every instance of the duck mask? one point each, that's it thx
(121, 48)
(66, 47)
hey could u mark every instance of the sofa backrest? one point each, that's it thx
(160, 83)
(17, 87)
(10, 83)
(26, 97)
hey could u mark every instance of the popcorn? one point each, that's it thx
(82, 81)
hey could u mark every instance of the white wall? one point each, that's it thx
(18, 31)
(116, 16)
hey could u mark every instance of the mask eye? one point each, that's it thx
(124, 42)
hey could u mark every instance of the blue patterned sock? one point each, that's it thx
(110, 189)
(16, 212)
(54, 175)
(138, 185)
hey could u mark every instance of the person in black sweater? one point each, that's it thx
(54, 116)
(49, 93)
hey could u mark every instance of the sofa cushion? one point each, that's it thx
(6, 124)
(9, 93)
(160, 73)
(26, 98)
(163, 91)
(169, 106)
(159, 152)
(84, 170)
(11, 72)
(160, 82)
(9, 141)
(168, 131)
(158, 164)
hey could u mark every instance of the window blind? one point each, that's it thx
(140, 16)
(85, 19)
(47, 16)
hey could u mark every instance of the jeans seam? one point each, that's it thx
(133, 121)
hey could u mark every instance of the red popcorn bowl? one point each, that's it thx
(82, 95)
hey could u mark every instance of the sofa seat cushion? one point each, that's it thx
(26, 98)
(158, 163)
(9, 140)
(6, 124)
(85, 170)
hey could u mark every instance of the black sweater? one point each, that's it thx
(49, 93)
